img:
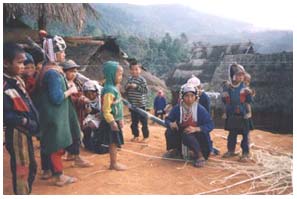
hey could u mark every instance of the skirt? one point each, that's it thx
(108, 136)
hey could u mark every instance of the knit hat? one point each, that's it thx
(194, 81)
(52, 45)
(91, 85)
(235, 69)
(29, 59)
(69, 64)
(186, 88)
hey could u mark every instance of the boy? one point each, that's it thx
(29, 74)
(192, 125)
(21, 120)
(73, 151)
(235, 98)
(136, 89)
(112, 109)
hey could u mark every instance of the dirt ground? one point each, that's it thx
(148, 173)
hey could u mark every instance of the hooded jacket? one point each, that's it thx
(112, 103)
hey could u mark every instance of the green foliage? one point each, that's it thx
(158, 56)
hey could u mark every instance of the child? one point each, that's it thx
(136, 89)
(21, 120)
(92, 90)
(70, 70)
(58, 119)
(159, 104)
(112, 108)
(235, 98)
(192, 124)
(29, 74)
(248, 116)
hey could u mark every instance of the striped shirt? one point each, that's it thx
(137, 96)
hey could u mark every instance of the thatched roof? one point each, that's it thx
(218, 51)
(93, 57)
(204, 61)
(68, 13)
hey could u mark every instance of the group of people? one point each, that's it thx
(65, 110)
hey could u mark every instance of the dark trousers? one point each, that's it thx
(232, 140)
(22, 161)
(136, 117)
(45, 161)
(197, 142)
(74, 147)
(173, 139)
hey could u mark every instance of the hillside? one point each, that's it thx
(176, 19)
(154, 21)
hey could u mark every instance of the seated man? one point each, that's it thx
(189, 123)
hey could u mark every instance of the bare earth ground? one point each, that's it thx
(149, 174)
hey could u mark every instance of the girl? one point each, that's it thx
(112, 108)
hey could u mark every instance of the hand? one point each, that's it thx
(32, 126)
(73, 89)
(133, 85)
(224, 116)
(85, 99)
(121, 123)
(173, 125)
(191, 129)
(92, 125)
(114, 126)
(248, 116)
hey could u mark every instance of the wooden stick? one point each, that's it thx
(238, 183)
(87, 42)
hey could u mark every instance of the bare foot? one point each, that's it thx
(80, 162)
(145, 140)
(118, 167)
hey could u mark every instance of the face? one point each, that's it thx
(38, 66)
(135, 70)
(119, 75)
(29, 69)
(239, 77)
(189, 98)
(71, 74)
(91, 94)
(60, 56)
(16, 67)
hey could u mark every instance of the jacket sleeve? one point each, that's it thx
(106, 107)
(204, 120)
(54, 85)
(173, 116)
(10, 117)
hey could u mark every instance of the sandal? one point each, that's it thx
(69, 157)
(82, 163)
(46, 174)
(199, 163)
(135, 139)
(65, 181)
(229, 154)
